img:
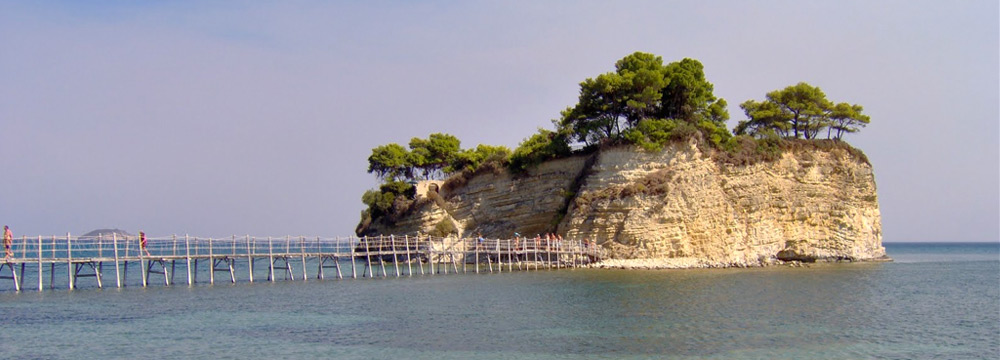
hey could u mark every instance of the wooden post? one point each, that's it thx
(249, 256)
(557, 249)
(418, 252)
(465, 252)
(453, 256)
(548, 253)
(381, 248)
(173, 261)
(97, 274)
(69, 261)
(576, 256)
(477, 254)
(39, 263)
(499, 258)
(554, 249)
(535, 260)
(167, 277)
(187, 251)
(489, 259)
(510, 259)
(409, 265)
(336, 258)
(24, 255)
(52, 265)
(270, 259)
(211, 260)
(368, 258)
(572, 253)
(288, 251)
(430, 253)
(560, 252)
(354, 270)
(302, 245)
(13, 275)
(114, 242)
(142, 264)
(319, 269)
(194, 262)
(441, 258)
(395, 263)
(232, 262)
(319, 250)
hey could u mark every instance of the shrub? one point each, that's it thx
(390, 198)
(544, 145)
(746, 150)
(456, 181)
(444, 228)
(399, 188)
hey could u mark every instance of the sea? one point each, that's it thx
(935, 301)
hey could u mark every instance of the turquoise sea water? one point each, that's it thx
(934, 301)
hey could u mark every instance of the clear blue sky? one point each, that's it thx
(215, 118)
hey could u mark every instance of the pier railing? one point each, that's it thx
(239, 257)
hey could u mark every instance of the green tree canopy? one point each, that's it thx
(805, 106)
(390, 162)
(433, 154)
(688, 95)
(543, 145)
(763, 116)
(471, 159)
(846, 118)
(800, 110)
(642, 88)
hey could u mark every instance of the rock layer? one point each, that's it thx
(679, 204)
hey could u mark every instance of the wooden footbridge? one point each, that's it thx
(250, 258)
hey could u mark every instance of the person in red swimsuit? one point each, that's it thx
(142, 243)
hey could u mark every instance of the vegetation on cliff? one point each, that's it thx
(436, 157)
(643, 102)
(800, 109)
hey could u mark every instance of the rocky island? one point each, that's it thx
(657, 189)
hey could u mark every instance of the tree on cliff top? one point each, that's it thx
(642, 88)
(800, 110)
(437, 156)
(543, 145)
(390, 162)
(430, 156)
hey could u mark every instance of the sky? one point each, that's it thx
(221, 118)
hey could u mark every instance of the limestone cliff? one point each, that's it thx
(679, 204)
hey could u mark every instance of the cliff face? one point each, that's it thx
(678, 204)
(496, 204)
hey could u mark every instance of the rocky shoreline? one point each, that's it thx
(695, 263)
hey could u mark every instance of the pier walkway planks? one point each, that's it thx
(49, 260)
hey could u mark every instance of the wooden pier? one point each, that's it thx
(48, 260)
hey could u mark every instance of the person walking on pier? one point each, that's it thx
(142, 243)
(8, 241)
